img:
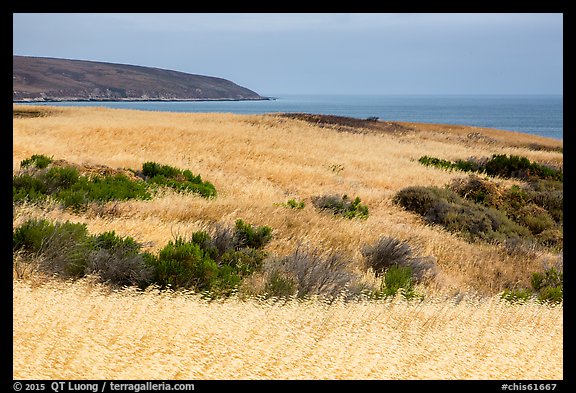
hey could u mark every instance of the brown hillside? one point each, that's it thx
(50, 79)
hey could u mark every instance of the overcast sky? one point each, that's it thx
(332, 53)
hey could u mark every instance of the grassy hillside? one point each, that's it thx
(257, 164)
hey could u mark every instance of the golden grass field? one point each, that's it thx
(460, 331)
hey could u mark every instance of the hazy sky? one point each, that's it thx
(374, 53)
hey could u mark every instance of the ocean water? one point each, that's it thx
(532, 114)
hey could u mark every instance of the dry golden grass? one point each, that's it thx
(81, 331)
(257, 162)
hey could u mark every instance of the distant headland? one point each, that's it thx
(44, 79)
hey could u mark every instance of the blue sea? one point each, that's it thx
(532, 114)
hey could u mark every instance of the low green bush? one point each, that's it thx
(294, 204)
(212, 264)
(551, 295)
(62, 248)
(519, 167)
(177, 179)
(341, 205)
(183, 264)
(280, 285)
(66, 185)
(151, 169)
(547, 287)
(38, 160)
(517, 295)
(398, 279)
(498, 165)
(29, 188)
(247, 235)
(551, 277)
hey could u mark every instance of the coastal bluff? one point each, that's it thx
(39, 79)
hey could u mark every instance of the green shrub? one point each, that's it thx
(57, 178)
(111, 241)
(244, 261)
(437, 162)
(498, 165)
(214, 265)
(280, 285)
(177, 179)
(67, 186)
(519, 295)
(63, 247)
(551, 294)
(294, 204)
(551, 277)
(182, 264)
(40, 161)
(341, 205)
(519, 167)
(397, 279)
(152, 169)
(32, 235)
(547, 286)
(246, 235)
(117, 187)
(26, 187)
(77, 200)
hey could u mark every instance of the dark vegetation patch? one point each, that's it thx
(25, 113)
(350, 124)
(538, 146)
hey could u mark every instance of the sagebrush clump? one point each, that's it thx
(387, 252)
(308, 272)
(479, 209)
